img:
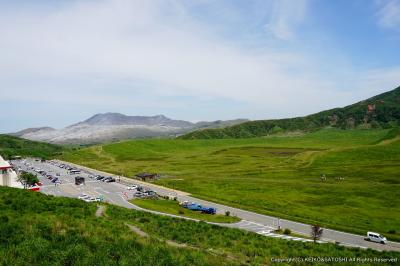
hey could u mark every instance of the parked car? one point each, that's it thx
(194, 207)
(209, 210)
(375, 237)
(91, 199)
(109, 180)
(34, 188)
(132, 187)
(82, 196)
(139, 194)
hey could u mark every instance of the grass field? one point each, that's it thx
(277, 175)
(36, 229)
(173, 207)
(14, 146)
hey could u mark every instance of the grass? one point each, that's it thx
(36, 229)
(14, 146)
(173, 207)
(276, 175)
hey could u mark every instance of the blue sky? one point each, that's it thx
(63, 61)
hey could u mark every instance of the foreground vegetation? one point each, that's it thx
(36, 229)
(277, 175)
(14, 146)
(173, 207)
(381, 111)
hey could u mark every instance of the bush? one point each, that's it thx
(144, 220)
(181, 212)
(227, 213)
(392, 231)
(287, 231)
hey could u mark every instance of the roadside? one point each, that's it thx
(251, 221)
(173, 207)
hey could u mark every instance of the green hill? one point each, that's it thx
(13, 146)
(381, 111)
(36, 229)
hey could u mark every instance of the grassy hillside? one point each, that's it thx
(278, 175)
(381, 111)
(11, 146)
(36, 229)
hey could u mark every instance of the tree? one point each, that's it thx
(316, 232)
(28, 178)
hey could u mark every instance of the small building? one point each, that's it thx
(8, 177)
(146, 176)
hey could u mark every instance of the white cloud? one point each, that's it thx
(133, 40)
(285, 15)
(389, 13)
(114, 53)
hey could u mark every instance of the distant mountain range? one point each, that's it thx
(115, 126)
(381, 111)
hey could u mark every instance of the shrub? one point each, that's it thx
(181, 212)
(392, 231)
(144, 220)
(227, 213)
(287, 231)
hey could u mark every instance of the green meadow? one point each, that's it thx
(36, 229)
(276, 175)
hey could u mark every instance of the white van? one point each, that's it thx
(375, 237)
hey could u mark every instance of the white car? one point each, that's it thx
(375, 237)
(132, 187)
(83, 196)
(89, 199)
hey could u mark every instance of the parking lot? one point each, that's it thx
(59, 179)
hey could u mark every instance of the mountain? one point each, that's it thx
(114, 119)
(31, 130)
(382, 110)
(115, 126)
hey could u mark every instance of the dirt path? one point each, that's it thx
(168, 242)
(100, 210)
(137, 230)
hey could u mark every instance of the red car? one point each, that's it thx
(34, 188)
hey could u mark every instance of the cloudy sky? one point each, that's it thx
(63, 61)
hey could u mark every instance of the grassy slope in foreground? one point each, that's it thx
(276, 175)
(382, 110)
(173, 207)
(36, 229)
(12, 146)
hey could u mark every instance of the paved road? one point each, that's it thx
(116, 193)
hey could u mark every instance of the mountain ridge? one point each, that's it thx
(382, 110)
(111, 126)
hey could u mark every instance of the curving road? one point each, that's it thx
(116, 193)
